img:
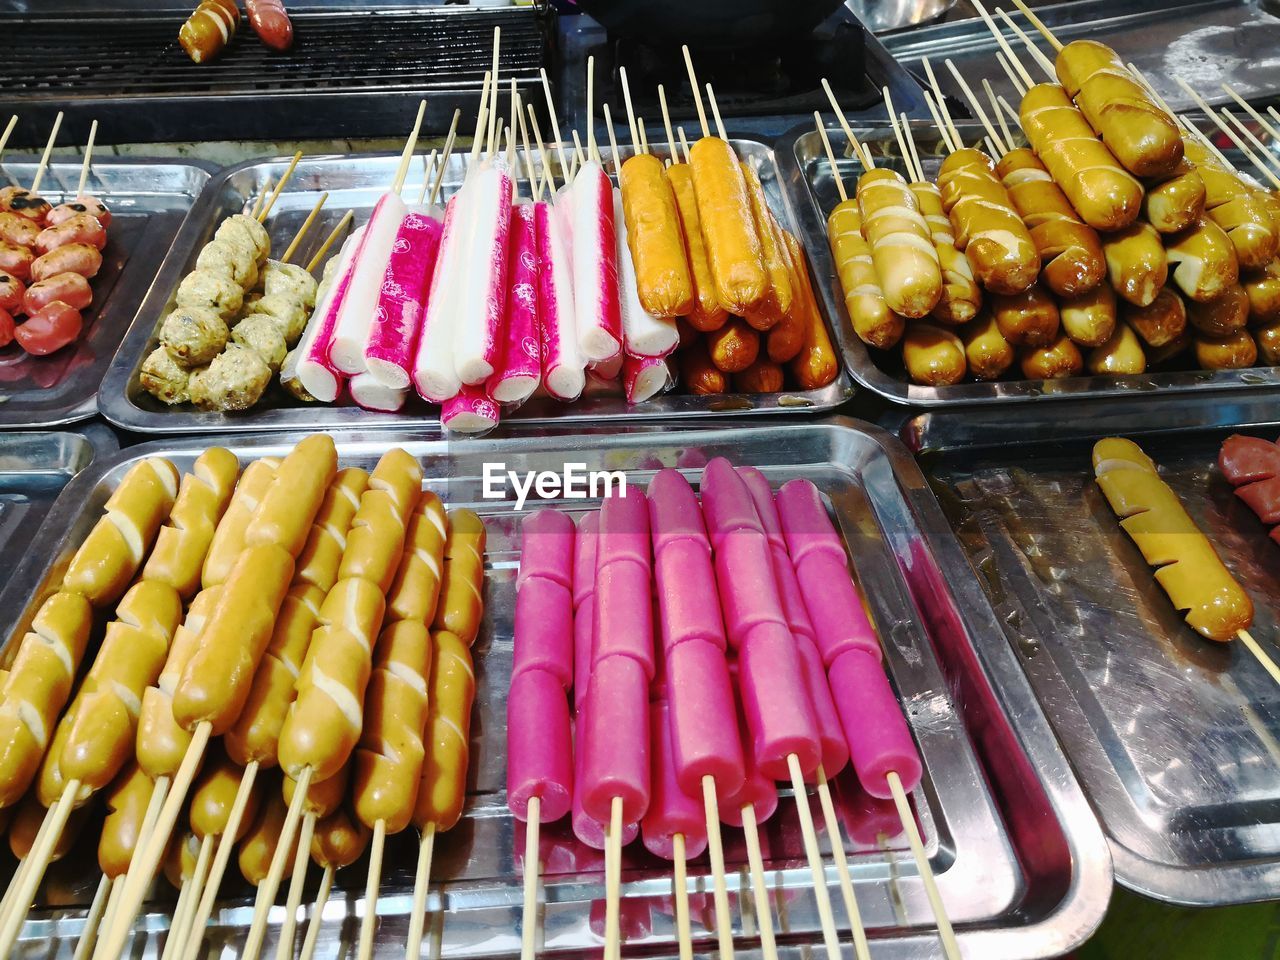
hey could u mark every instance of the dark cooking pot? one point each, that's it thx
(709, 23)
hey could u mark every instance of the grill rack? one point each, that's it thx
(128, 72)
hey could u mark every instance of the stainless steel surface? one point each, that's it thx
(1206, 42)
(148, 201)
(34, 467)
(1173, 737)
(1020, 861)
(883, 16)
(807, 180)
(356, 182)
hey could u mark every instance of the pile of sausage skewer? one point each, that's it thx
(292, 616)
(1116, 240)
(48, 255)
(213, 23)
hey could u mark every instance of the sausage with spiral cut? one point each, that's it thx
(1203, 261)
(1232, 352)
(902, 251)
(127, 799)
(1070, 254)
(1263, 289)
(988, 230)
(1175, 202)
(1187, 566)
(1136, 263)
(415, 591)
(228, 539)
(461, 606)
(873, 321)
(1121, 354)
(1233, 205)
(183, 543)
(443, 788)
(1089, 320)
(988, 353)
(961, 296)
(1142, 136)
(1222, 316)
(933, 356)
(209, 29)
(1027, 319)
(1054, 361)
(1161, 322)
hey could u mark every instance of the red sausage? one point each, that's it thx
(73, 258)
(24, 203)
(18, 230)
(51, 329)
(82, 228)
(16, 261)
(86, 204)
(271, 23)
(12, 290)
(70, 288)
(6, 328)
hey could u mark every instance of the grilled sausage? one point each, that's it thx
(73, 258)
(209, 29)
(961, 296)
(933, 356)
(415, 592)
(127, 800)
(1161, 322)
(869, 312)
(1203, 260)
(1057, 360)
(1136, 263)
(1222, 316)
(1233, 206)
(270, 22)
(182, 545)
(214, 795)
(1232, 352)
(1121, 354)
(1106, 196)
(734, 346)
(1070, 253)
(228, 538)
(1263, 289)
(1175, 202)
(70, 288)
(701, 377)
(988, 353)
(1267, 338)
(763, 376)
(1142, 136)
(786, 339)
(728, 229)
(816, 365)
(777, 300)
(902, 251)
(461, 606)
(705, 313)
(443, 788)
(82, 228)
(654, 238)
(1090, 320)
(1027, 319)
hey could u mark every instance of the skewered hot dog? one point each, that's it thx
(69, 288)
(82, 228)
(127, 800)
(214, 795)
(37, 686)
(988, 353)
(1090, 320)
(1223, 315)
(16, 261)
(816, 365)
(182, 545)
(902, 251)
(873, 321)
(1231, 204)
(1136, 263)
(1143, 137)
(12, 292)
(1232, 352)
(1057, 360)
(1105, 195)
(728, 229)
(442, 790)
(1188, 568)
(734, 347)
(933, 356)
(1175, 203)
(1027, 319)
(81, 204)
(1161, 322)
(1203, 259)
(78, 258)
(1121, 354)
(1263, 289)
(228, 538)
(779, 293)
(1070, 253)
(701, 377)
(415, 591)
(461, 606)
(705, 313)
(654, 238)
(49, 329)
(209, 29)
(961, 296)
(18, 230)
(991, 234)
(258, 848)
(270, 22)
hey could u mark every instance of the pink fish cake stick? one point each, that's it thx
(674, 513)
(615, 742)
(544, 630)
(563, 366)
(775, 700)
(539, 746)
(624, 615)
(624, 530)
(726, 502)
(672, 811)
(704, 726)
(757, 791)
(587, 829)
(546, 548)
(879, 739)
(397, 319)
(519, 369)
(584, 605)
(835, 751)
(643, 378)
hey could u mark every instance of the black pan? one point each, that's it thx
(709, 24)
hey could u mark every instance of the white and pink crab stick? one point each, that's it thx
(595, 250)
(880, 744)
(539, 740)
(318, 375)
(388, 348)
(470, 410)
(643, 378)
(355, 320)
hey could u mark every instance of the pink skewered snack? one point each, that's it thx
(672, 811)
(519, 369)
(756, 790)
(584, 605)
(320, 378)
(359, 306)
(388, 350)
(540, 753)
(563, 369)
(469, 411)
(624, 605)
(434, 375)
(615, 744)
(595, 264)
(477, 334)
(875, 730)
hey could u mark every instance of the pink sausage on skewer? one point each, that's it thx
(544, 600)
(615, 742)
(388, 348)
(539, 747)
(671, 810)
(478, 330)
(520, 366)
(756, 790)
(584, 605)
(595, 264)
(563, 368)
(356, 316)
(320, 378)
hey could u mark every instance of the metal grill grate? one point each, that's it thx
(128, 72)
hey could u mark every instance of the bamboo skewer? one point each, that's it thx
(942, 104)
(257, 201)
(995, 112)
(270, 885)
(328, 242)
(290, 250)
(297, 879)
(666, 124)
(275, 194)
(1251, 137)
(44, 158)
(314, 921)
(444, 162)
(555, 124)
(1226, 128)
(945, 933)
(976, 106)
(421, 886)
(88, 158)
(1009, 72)
(697, 93)
(1045, 63)
(1038, 24)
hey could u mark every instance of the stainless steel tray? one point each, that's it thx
(1021, 863)
(807, 180)
(356, 182)
(1173, 738)
(1206, 42)
(148, 200)
(34, 467)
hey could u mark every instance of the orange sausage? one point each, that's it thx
(654, 238)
